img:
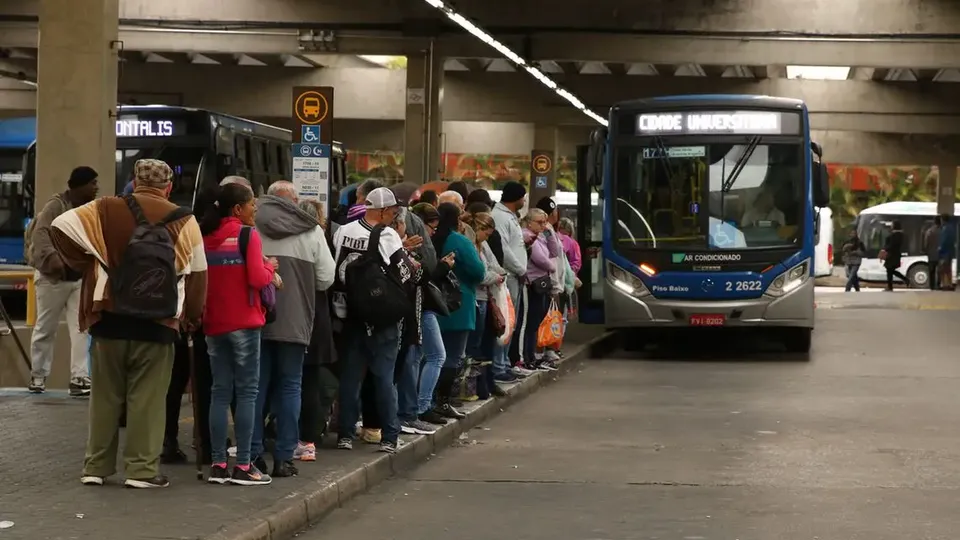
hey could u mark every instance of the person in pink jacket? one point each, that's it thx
(570, 246)
(544, 248)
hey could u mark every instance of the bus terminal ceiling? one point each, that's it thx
(894, 86)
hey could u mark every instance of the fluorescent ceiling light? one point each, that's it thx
(377, 59)
(823, 73)
(478, 33)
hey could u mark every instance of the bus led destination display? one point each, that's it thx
(719, 122)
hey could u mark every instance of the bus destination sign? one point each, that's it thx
(719, 122)
(134, 127)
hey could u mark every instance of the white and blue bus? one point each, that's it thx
(706, 216)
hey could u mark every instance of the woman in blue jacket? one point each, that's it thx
(455, 328)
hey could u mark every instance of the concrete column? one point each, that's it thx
(546, 141)
(423, 140)
(77, 92)
(946, 188)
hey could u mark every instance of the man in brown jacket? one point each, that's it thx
(131, 357)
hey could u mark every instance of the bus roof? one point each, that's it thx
(18, 133)
(907, 208)
(713, 100)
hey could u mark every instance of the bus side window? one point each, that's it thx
(274, 168)
(260, 177)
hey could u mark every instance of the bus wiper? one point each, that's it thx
(740, 164)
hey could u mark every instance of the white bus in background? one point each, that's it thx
(873, 227)
(823, 253)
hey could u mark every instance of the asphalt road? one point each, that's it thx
(860, 442)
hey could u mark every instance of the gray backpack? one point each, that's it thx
(145, 285)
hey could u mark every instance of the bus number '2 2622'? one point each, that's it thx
(752, 285)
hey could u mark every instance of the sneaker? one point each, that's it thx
(91, 480)
(433, 417)
(551, 355)
(470, 398)
(520, 372)
(38, 385)
(305, 452)
(77, 388)
(370, 436)
(506, 377)
(388, 447)
(418, 427)
(218, 475)
(158, 481)
(547, 365)
(285, 469)
(345, 444)
(449, 411)
(250, 477)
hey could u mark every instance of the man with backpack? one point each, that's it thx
(144, 268)
(58, 288)
(371, 295)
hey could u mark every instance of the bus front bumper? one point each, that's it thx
(794, 309)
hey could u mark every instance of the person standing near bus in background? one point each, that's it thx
(947, 251)
(931, 246)
(58, 288)
(892, 254)
(853, 251)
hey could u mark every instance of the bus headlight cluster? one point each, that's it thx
(790, 280)
(626, 282)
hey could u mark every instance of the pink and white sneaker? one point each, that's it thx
(305, 452)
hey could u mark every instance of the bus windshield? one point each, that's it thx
(185, 162)
(709, 196)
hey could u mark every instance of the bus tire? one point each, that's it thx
(798, 340)
(919, 276)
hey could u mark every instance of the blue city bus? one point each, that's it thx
(201, 146)
(705, 216)
(16, 136)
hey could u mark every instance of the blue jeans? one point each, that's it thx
(853, 280)
(281, 378)
(475, 341)
(235, 367)
(455, 344)
(375, 355)
(412, 402)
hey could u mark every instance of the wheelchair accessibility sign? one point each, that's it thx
(310, 134)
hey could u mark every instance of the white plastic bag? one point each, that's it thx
(502, 301)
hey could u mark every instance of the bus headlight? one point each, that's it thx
(790, 280)
(626, 282)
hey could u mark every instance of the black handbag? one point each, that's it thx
(433, 300)
(542, 285)
(450, 287)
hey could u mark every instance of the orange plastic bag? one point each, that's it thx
(550, 332)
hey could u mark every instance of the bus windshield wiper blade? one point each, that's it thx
(740, 164)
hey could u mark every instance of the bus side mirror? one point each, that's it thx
(821, 185)
(595, 156)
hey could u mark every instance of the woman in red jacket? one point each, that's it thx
(232, 321)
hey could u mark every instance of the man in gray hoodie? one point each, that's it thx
(306, 266)
(512, 199)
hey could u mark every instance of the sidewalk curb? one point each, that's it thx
(299, 510)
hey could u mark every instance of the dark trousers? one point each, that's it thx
(934, 273)
(893, 272)
(538, 303)
(203, 380)
(320, 385)
(853, 280)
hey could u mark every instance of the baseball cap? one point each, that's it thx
(381, 198)
(547, 204)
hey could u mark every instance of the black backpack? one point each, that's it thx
(374, 296)
(145, 284)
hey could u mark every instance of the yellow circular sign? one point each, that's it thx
(311, 107)
(542, 164)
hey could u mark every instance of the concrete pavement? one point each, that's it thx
(42, 453)
(857, 443)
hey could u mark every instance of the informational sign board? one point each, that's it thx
(542, 176)
(312, 116)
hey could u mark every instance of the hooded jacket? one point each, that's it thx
(511, 237)
(306, 266)
(543, 256)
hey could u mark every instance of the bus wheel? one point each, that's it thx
(919, 276)
(798, 340)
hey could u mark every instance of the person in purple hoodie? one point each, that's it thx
(358, 210)
(544, 249)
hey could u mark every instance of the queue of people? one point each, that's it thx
(383, 320)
